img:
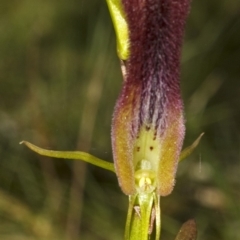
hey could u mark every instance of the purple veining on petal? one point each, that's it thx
(156, 29)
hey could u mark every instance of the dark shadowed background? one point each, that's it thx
(59, 80)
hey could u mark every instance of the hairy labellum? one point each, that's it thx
(148, 125)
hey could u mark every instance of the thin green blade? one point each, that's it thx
(71, 155)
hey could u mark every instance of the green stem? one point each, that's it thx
(158, 216)
(143, 210)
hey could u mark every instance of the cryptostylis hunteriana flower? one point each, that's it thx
(148, 123)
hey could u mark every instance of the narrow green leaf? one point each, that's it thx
(120, 26)
(188, 150)
(71, 155)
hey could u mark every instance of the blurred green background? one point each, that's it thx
(59, 80)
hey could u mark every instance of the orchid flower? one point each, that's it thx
(148, 121)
